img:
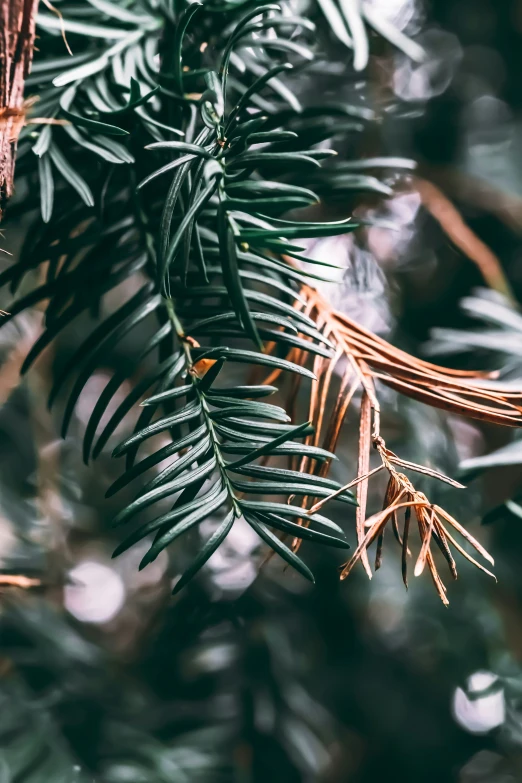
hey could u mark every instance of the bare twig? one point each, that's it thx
(452, 223)
(18, 580)
(369, 358)
(17, 23)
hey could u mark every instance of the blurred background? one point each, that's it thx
(252, 675)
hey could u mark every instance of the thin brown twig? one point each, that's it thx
(17, 31)
(369, 357)
(452, 223)
(18, 580)
(363, 465)
(59, 14)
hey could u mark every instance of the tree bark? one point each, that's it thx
(17, 32)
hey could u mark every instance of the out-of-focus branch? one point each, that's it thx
(458, 184)
(452, 223)
(18, 580)
(17, 30)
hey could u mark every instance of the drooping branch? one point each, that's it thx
(362, 357)
(17, 32)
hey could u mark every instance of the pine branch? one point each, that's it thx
(181, 127)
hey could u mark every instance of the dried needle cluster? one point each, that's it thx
(367, 357)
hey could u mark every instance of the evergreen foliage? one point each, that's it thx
(176, 162)
(177, 131)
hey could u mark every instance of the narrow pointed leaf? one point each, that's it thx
(155, 458)
(190, 411)
(306, 533)
(71, 175)
(45, 175)
(231, 277)
(144, 501)
(194, 518)
(281, 549)
(206, 553)
(167, 519)
(297, 432)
